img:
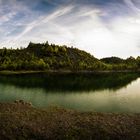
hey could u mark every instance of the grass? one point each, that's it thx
(8, 72)
(21, 121)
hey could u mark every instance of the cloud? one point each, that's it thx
(43, 20)
(98, 27)
(133, 4)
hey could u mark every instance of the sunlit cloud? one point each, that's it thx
(97, 27)
(133, 4)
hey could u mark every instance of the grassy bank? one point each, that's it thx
(21, 121)
(6, 72)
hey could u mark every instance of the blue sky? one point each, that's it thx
(101, 27)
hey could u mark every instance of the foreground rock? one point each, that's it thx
(20, 121)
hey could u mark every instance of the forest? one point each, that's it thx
(47, 56)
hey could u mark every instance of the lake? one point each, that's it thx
(101, 92)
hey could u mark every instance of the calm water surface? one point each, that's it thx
(85, 92)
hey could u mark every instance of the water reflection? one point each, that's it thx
(70, 82)
(86, 92)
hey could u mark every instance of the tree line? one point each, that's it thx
(47, 56)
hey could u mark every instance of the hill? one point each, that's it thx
(116, 63)
(112, 60)
(48, 57)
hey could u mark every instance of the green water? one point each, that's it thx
(118, 92)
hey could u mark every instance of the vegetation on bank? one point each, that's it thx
(45, 56)
(21, 121)
(117, 63)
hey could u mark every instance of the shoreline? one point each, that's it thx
(20, 120)
(7, 72)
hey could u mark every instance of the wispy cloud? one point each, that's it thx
(133, 5)
(103, 28)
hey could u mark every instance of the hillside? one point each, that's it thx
(116, 63)
(48, 57)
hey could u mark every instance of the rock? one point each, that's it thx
(16, 101)
(22, 102)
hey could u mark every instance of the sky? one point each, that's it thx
(103, 28)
